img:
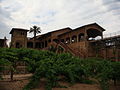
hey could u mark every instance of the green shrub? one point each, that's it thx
(55, 67)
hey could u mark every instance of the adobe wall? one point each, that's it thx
(18, 36)
(72, 33)
(55, 34)
(49, 38)
(109, 52)
(3, 43)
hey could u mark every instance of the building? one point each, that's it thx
(80, 42)
(3, 43)
(18, 38)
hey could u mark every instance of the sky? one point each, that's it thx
(51, 15)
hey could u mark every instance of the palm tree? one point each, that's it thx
(35, 31)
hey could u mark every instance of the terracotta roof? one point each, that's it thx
(61, 29)
(90, 25)
(57, 30)
(52, 32)
(20, 29)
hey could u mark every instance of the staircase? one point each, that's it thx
(70, 50)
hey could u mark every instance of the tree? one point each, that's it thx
(10, 56)
(35, 31)
(1, 67)
(3, 62)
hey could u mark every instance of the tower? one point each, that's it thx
(18, 38)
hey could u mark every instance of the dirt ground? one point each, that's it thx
(21, 80)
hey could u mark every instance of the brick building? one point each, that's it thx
(80, 42)
(3, 43)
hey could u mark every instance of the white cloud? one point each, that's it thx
(56, 14)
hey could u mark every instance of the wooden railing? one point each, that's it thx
(68, 49)
(73, 52)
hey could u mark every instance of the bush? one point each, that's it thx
(55, 67)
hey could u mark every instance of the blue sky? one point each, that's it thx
(56, 14)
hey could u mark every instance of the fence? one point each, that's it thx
(111, 34)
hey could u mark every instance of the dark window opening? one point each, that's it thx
(30, 44)
(62, 40)
(42, 46)
(67, 40)
(93, 34)
(49, 40)
(81, 37)
(22, 33)
(74, 39)
(45, 43)
(18, 45)
(56, 40)
(37, 45)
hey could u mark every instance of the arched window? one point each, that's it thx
(37, 45)
(74, 38)
(46, 44)
(18, 45)
(30, 44)
(67, 40)
(93, 33)
(42, 45)
(81, 37)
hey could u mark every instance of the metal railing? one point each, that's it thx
(111, 34)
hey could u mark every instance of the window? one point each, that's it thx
(81, 36)
(62, 40)
(67, 40)
(45, 43)
(49, 40)
(74, 39)
(22, 33)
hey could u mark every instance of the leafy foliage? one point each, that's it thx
(61, 67)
